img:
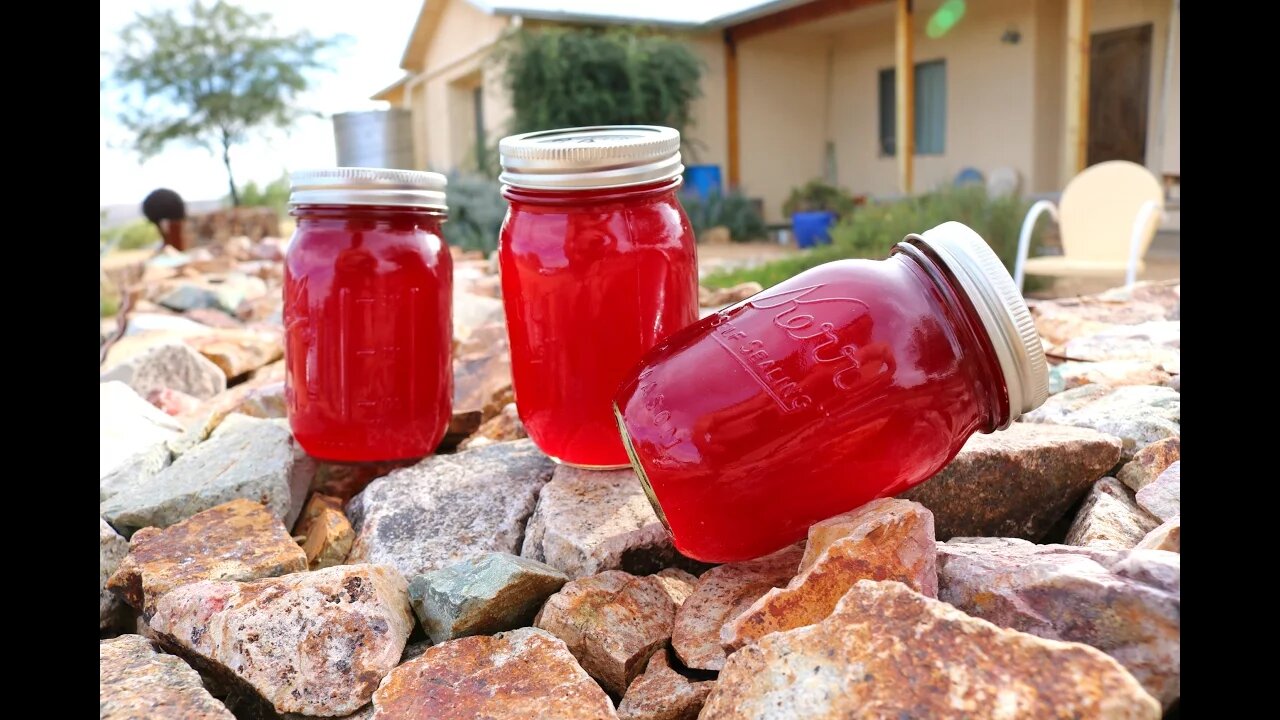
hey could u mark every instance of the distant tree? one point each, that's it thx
(274, 194)
(211, 77)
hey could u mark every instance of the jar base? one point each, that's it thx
(582, 466)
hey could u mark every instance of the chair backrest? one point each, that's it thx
(1099, 207)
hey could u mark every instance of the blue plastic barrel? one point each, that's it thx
(811, 228)
(703, 180)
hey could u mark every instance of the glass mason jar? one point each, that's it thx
(368, 289)
(851, 381)
(598, 264)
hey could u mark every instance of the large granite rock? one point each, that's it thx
(886, 539)
(136, 469)
(589, 521)
(1155, 342)
(612, 622)
(111, 550)
(128, 425)
(1125, 603)
(1149, 462)
(1017, 482)
(238, 540)
(1162, 496)
(1062, 319)
(890, 652)
(482, 595)
(244, 458)
(1168, 536)
(240, 351)
(663, 694)
(449, 507)
(1109, 519)
(174, 366)
(1115, 373)
(134, 682)
(1139, 414)
(316, 643)
(721, 595)
(518, 675)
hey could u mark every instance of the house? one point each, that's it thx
(794, 90)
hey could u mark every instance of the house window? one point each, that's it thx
(931, 109)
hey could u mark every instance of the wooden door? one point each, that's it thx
(1119, 85)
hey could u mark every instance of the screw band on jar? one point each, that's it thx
(368, 186)
(588, 158)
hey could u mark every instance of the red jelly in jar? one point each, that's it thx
(851, 381)
(598, 264)
(367, 299)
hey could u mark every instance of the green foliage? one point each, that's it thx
(274, 195)
(571, 77)
(875, 229)
(108, 301)
(734, 211)
(476, 210)
(211, 76)
(131, 236)
(816, 196)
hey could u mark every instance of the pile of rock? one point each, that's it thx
(1037, 575)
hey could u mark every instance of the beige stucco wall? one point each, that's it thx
(707, 136)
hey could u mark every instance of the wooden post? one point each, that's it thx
(905, 90)
(731, 102)
(1076, 141)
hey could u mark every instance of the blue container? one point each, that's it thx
(812, 228)
(703, 180)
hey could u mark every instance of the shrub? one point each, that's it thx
(274, 195)
(816, 196)
(734, 211)
(476, 210)
(133, 235)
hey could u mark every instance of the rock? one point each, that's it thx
(1154, 342)
(1162, 496)
(267, 401)
(141, 322)
(1175, 382)
(718, 235)
(173, 366)
(886, 539)
(173, 402)
(461, 426)
(1139, 415)
(1017, 482)
(728, 296)
(887, 651)
(223, 292)
(1125, 603)
(237, 540)
(127, 425)
(517, 675)
(1112, 372)
(482, 595)
(327, 533)
(111, 550)
(213, 318)
(503, 427)
(473, 311)
(677, 583)
(244, 458)
(498, 401)
(237, 352)
(663, 694)
(344, 481)
(1165, 293)
(316, 643)
(135, 470)
(134, 681)
(479, 374)
(723, 593)
(1061, 319)
(1149, 462)
(449, 507)
(1167, 536)
(588, 521)
(1109, 519)
(611, 622)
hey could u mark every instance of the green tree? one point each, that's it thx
(210, 77)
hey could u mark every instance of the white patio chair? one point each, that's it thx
(1107, 219)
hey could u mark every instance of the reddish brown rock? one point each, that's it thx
(134, 681)
(677, 583)
(1149, 462)
(1167, 536)
(503, 427)
(326, 533)
(612, 622)
(316, 643)
(345, 480)
(722, 593)
(889, 652)
(663, 694)
(237, 540)
(240, 351)
(172, 402)
(886, 539)
(1162, 497)
(517, 675)
(266, 401)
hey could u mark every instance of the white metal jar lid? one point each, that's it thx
(367, 186)
(606, 156)
(1003, 312)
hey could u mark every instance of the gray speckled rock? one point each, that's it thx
(482, 595)
(449, 507)
(1162, 497)
(1017, 482)
(111, 550)
(135, 470)
(1109, 519)
(134, 681)
(1125, 603)
(127, 425)
(1155, 342)
(244, 458)
(1139, 414)
(176, 366)
(1115, 373)
(590, 521)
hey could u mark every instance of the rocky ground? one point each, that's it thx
(1036, 576)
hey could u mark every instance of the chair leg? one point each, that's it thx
(1141, 224)
(1024, 237)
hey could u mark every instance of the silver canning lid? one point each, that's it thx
(607, 156)
(1001, 308)
(367, 186)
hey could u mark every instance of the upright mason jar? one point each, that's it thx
(368, 292)
(598, 264)
(851, 381)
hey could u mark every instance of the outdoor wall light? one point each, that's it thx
(1011, 36)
